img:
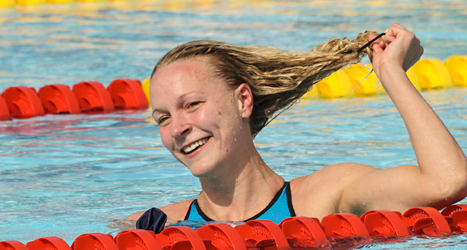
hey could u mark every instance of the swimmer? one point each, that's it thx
(210, 99)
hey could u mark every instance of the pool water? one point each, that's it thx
(66, 175)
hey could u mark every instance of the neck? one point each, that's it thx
(246, 187)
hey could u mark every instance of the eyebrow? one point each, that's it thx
(179, 98)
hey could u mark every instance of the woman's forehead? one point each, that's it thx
(188, 76)
(195, 69)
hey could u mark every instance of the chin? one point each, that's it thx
(200, 174)
(201, 171)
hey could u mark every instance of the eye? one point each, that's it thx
(162, 120)
(193, 104)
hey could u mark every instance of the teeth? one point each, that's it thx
(195, 145)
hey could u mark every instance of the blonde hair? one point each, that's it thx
(277, 78)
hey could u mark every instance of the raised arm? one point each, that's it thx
(441, 175)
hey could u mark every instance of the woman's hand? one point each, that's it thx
(399, 47)
(440, 178)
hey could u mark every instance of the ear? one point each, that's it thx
(245, 98)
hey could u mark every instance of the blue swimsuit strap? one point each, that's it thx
(271, 203)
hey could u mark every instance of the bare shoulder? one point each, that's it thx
(135, 216)
(174, 212)
(318, 194)
(177, 211)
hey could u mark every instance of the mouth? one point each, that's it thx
(193, 146)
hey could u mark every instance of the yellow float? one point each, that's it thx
(145, 86)
(457, 68)
(312, 94)
(60, 1)
(335, 85)
(30, 2)
(411, 74)
(363, 83)
(432, 74)
(7, 3)
(91, 1)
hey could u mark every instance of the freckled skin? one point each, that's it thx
(189, 77)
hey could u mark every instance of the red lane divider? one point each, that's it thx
(95, 241)
(127, 94)
(335, 230)
(86, 97)
(304, 232)
(93, 97)
(263, 234)
(23, 102)
(4, 111)
(426, 221)
(49, 243)
(58, 99)
(384, 223)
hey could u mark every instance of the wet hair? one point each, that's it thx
(277, 78)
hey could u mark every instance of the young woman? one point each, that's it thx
(210, 99)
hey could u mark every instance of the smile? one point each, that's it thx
(188, 149)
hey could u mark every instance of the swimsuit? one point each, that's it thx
(278, 209)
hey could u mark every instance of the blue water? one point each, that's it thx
(69, 175)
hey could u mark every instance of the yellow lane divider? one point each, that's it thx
(359, 80)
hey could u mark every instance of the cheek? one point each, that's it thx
(207, 117)
(166, 137)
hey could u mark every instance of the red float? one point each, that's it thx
(94, 241)
(49, 243)
(127, 94)
(137, 240)
(304, 232)
(93, 97)
(458, 216)
(263, 234)
(58, 99)
(12, 245)
(344, 225)
(23, 102)
(4, 112)
(384, 223)
(221, 237)
(426, 221)
(180, 238)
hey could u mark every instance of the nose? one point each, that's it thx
(179, 127)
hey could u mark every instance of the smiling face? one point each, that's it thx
(202, 120)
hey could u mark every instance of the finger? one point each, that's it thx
(382, 44)
(377, 47)
(388, 38)
(397, 27)
(393, 31)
